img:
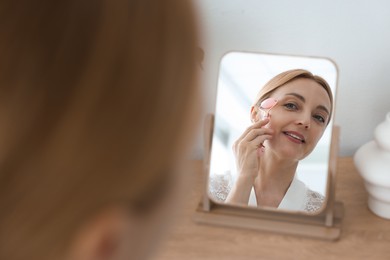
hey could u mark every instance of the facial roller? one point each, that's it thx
(267, 105)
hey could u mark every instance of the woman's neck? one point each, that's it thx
(273, 180)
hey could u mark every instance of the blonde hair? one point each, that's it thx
(97, 100)
(288, 76)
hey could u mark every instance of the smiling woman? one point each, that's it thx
(268, 152)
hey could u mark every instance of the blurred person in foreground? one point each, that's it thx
(97, 115)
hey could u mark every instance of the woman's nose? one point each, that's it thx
(304, 120)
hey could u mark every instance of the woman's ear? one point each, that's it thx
(254, 115)
(102, 238)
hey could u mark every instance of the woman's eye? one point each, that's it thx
(291, 106)
(319, 118)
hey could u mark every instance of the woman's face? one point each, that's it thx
(299, 119)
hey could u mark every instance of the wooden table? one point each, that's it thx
(364, 235)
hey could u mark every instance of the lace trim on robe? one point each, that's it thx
(314, 201)
(220, 186)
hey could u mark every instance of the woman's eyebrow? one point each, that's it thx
(297, 95)
(321, 107)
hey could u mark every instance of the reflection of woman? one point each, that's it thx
(97, 110)
(268, 152)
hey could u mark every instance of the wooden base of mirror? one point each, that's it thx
(297, 224)
(323, 225)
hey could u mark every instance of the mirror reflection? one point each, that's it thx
(272, 131)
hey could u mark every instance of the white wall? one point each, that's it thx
(355, 34)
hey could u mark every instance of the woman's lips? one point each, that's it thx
(295, 137)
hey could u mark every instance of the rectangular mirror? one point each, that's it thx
(242, 75)
(271, 146)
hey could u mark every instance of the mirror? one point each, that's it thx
(241, 76)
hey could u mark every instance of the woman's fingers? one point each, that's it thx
(254, 133)
(258, 141)
(256, 125)
(253, 140)
(249, 148)
(254, 143)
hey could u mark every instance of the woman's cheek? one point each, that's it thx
(317, 135)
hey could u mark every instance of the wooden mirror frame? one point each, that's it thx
(326, 224)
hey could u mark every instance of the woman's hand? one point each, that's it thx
(247, 150)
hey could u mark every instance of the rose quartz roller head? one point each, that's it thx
(267, 105)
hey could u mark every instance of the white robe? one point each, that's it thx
(295, 198)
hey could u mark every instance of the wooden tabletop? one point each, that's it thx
(364, 235)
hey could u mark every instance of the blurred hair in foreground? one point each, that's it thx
(97, 109)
